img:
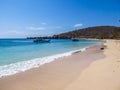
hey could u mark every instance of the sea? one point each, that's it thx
(19, 55)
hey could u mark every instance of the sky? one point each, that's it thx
(24, 18)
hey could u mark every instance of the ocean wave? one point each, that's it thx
(22, 66)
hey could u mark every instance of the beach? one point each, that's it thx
(103, 74)
(92, 69)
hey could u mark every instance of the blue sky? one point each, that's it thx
(22, 18)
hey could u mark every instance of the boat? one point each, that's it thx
(75, 39)
(41, 40)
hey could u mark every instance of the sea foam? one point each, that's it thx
(22, 66)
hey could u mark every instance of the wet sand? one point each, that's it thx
(57, 75)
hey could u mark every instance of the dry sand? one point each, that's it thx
(57, 75)
(103, 74)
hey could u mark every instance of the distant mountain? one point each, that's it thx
(98, 32)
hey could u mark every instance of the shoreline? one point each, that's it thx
(37, 62)
(55, 75)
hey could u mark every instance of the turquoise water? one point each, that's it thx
(17, 52)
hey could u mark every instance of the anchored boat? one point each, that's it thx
(41, 40)
(75, 39)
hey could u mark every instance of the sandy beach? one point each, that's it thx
(93, 69)
(56, 75)
(103, 74)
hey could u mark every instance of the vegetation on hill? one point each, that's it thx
(98, 32)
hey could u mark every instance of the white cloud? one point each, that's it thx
(78, 25)
(43, 28)
(15, 32)
(43, 23)
(55, 27)
(12, 33)
(36, 28)
(58, 27)
(32, 24)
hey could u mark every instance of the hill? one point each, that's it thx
(98, 32)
